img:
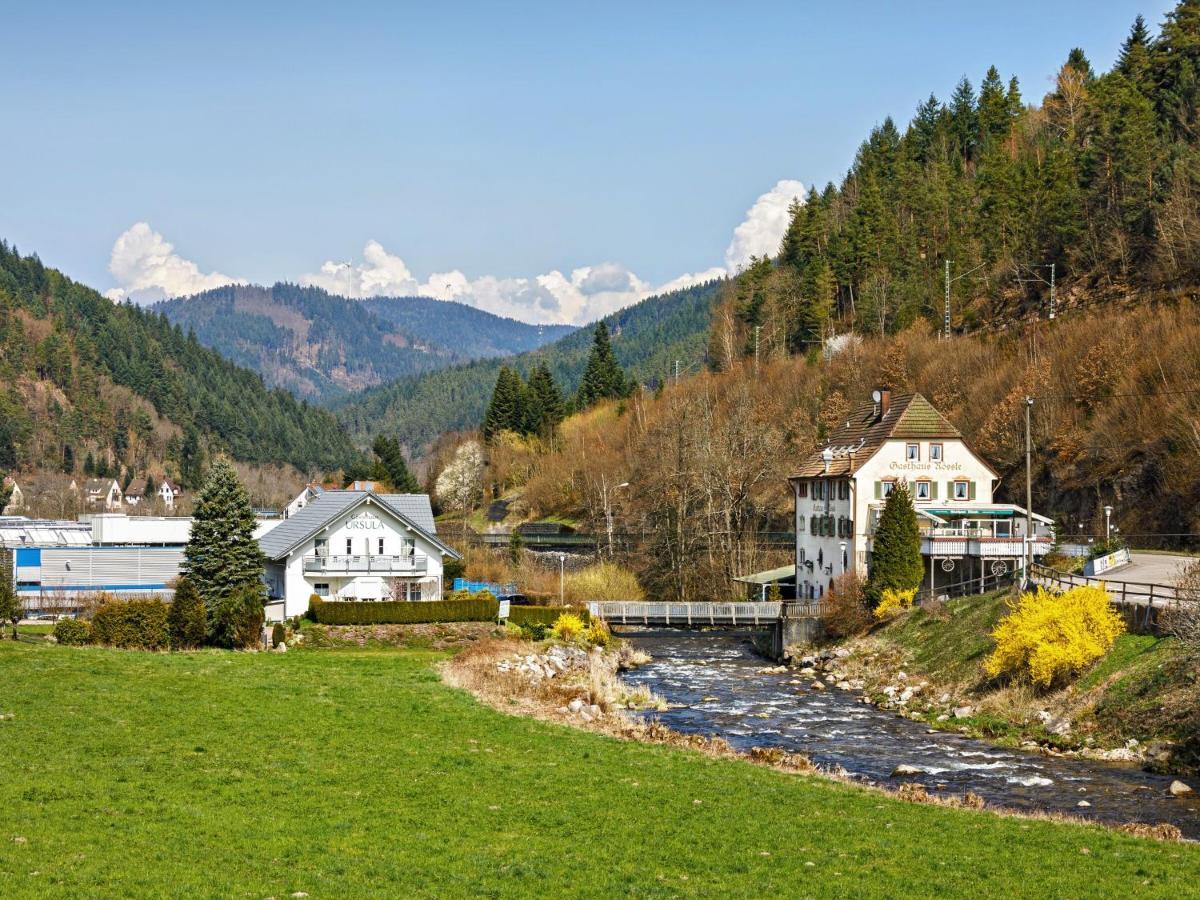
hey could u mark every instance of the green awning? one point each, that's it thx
(964, 511)
(770, 576)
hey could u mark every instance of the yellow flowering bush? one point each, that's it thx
(567, 627)
(597, 634)
(1049, 637)
(893, 601)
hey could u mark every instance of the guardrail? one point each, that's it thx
(414, 563)
(1143, 600)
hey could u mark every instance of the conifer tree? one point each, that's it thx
(222, 556)
(993, 106)
(506, 411)
(546, 398)
(603, 379)
(187, 620)
(390, 466)
(896, 551)
(10, 604)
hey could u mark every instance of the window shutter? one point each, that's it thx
(949, 490)
(849, 528)
(933, 490)
(970, 490)
(879, 490)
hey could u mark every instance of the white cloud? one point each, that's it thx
(147, 268)
(764, 226)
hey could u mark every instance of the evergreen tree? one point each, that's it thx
(191, 458)
(10, 604)
(505, 412)
(222, 556)
(68, 459)
(89, 464)
(187, 619)
(1134, 59)
(391, 467)
(896, 552)
(603, 379)
(994, 116)
(964, 118)
(547, 398)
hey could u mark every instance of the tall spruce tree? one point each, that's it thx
(390, 466)
(603, 379)
(546, 399)
(222, 557)
(896, 551)
(506, 411)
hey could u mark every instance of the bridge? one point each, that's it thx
(790, 622)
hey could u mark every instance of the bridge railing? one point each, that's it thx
(664, 613)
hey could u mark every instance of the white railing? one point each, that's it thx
(406, 563)
(644, 613)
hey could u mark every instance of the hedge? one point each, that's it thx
(72, 632)
(543, 615)
(345, 612)
(136, 624)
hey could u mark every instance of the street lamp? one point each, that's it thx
(1107, 524)
(562, 578)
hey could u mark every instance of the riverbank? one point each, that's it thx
(1139, 704)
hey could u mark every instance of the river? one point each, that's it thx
(714, 685)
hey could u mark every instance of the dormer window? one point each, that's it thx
(912, 452)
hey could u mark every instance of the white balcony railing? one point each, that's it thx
(408, 564)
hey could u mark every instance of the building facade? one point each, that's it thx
(840, 491)
(354, 545)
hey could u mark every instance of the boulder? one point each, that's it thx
(905, 769)
(902, 676)
(964, 712)
(576, 705)
(843, 685)
(841, 652)
(1179, 789)
(1083, 804)
(817, 686)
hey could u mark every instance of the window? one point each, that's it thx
(381, 546)
(962, 490)
(349, 547)
(800, 524)
(1003, 528)
(801, 489)
(321, 588)
(912, 452)
(935, 452)
(887, 487)
(922, 490)
(844, 490)
(321, 547)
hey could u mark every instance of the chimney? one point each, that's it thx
(885, 402)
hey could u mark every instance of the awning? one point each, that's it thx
(968, 511)
(770, 576)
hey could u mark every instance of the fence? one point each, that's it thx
(507, 589)
(1142, 602)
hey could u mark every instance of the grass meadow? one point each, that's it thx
(348, 773)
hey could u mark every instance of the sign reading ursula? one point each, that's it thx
(364, 522)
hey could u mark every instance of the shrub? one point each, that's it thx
(481, 608)
(1048, 637)
(567, 627)
(847, 612)
(896, 550)
(187, 620)
(72, 632)
(237, 618)
(1182, 621)
(544, 615)
(597, 634)
(133, 624)
(604, 581)
(278, 634)
(893, 601)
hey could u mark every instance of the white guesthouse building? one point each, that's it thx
(841, 489)
(354, 545)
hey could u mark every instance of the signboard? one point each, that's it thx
(504, 606)
(365, 522)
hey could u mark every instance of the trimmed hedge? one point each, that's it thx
(544, 615)
(72, 632)
(135, 624)
(344, 612)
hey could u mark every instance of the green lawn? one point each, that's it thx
(350, 773)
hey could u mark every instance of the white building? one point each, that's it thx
(103, 492)
(354, 545)
(841, 489)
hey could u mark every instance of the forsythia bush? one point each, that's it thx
(893, 601)
(567, 627)
(597, 634)
(1048, 637)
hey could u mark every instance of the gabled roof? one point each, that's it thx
(411, 509)
(136, 488)
(909, 417)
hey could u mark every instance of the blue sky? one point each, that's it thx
(487, 141)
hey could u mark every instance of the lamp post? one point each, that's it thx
(562, 578)
(1107, 524)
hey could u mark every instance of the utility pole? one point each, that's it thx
(1028, 493)
(757, 329)
(1052, 291)
(677, 371)
(946, 317)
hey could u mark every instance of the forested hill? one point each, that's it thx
(320, 346)
(1100, 180)
(471, 333)
(82, 375)
(648, 338)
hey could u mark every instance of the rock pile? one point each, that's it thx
(555, 662)
(825, 668)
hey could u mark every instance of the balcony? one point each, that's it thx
(407, 564)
